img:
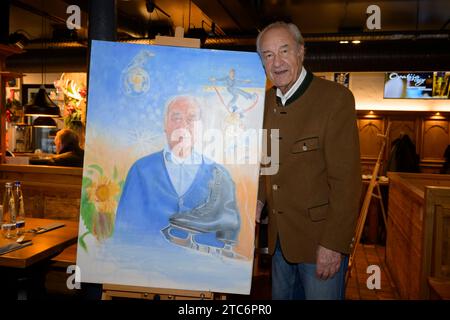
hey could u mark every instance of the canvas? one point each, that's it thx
(171, 167)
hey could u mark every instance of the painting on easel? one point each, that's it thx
(171, 167)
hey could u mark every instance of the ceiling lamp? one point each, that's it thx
(42, 105)
(44, 122)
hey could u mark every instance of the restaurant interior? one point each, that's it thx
(404, 223)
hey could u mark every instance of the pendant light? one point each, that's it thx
(42, 105)
(44, 122)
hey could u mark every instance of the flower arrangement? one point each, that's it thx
(13, 107)
(74, 102)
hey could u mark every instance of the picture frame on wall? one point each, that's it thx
(342, 78)
(13, 84)
(13, 89)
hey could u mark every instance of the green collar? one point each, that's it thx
(300, 91)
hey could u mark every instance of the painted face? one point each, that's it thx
(282, 57)
(181, 119)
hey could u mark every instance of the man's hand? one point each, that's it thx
(259, 207)
(328, 263)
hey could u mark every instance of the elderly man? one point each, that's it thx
(69, 153)
(177, 192)
(313, 199)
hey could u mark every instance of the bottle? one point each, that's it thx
(20, 210)
(9, 212)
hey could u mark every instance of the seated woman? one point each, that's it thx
(69, 153)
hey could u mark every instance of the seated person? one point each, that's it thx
(8, 152)
(69, 153)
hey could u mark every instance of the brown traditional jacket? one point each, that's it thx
(314, 197)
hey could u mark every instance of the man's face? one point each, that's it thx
(282, 57)
(182, 117)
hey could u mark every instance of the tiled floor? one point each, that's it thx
(357, 288)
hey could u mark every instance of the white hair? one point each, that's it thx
(193, 101)
(292, 28)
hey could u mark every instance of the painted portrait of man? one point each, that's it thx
(171, 175)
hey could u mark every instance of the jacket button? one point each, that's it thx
(275, 187)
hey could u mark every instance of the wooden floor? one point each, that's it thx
(261, 285)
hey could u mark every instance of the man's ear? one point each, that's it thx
(301, 51)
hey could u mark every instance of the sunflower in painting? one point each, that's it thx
(98, 204)
(103, 194)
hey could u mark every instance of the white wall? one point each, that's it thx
(36, 78)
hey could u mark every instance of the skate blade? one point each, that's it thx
(220, 252)
(190, 243)
(187, 242)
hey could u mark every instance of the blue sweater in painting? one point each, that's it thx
(149, 199)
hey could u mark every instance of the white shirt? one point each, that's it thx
(291, 91)
(181, 171)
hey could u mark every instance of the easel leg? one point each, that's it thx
(380, 197)
(132, 292)
(106, 296)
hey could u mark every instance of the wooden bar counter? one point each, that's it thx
(417, 231)
(49, 192)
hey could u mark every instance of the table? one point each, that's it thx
(23, 271)
(45, 245)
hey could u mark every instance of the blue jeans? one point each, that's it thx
(298, 281)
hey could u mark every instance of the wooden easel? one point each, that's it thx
(365, 207)
(110, 290)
